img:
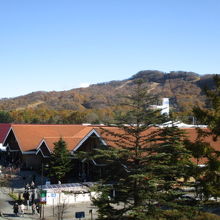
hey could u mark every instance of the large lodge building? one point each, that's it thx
(30, 145)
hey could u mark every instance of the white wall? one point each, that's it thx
(55, 198)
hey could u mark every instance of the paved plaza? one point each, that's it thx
(48, 212)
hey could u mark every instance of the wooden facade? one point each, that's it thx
(13, 153)
(30, 146)
(88, 170)
(34, 158)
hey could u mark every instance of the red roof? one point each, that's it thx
(4, 128)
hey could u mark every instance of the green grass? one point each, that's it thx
(13, 196)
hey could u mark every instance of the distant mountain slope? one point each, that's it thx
(183, 88)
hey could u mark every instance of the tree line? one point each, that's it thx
(48, 116)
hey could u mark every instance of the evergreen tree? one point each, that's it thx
(210, 182)
(210, 178)
(199, 150)
(60, 162)
(141, 172)
(211, 115)
(170, 164)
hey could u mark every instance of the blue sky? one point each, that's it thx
(62, 44)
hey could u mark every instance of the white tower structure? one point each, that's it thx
(165, 107)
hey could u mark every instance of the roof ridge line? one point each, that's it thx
(60, 137)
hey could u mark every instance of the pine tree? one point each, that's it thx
(209, 181)
(60, 162)
(199, 150)
(170, 163)
(140, 171)
(211, 115)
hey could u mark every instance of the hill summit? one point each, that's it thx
(183, 88)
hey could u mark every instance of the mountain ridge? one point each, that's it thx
(183, 88)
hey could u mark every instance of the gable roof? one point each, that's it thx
(70, 142)
(29, 136)
(73, 142)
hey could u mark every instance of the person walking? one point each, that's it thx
(15, 208)
(26, 196)
(38, 208)
(33, 196)
(33, 208)
(22, 207)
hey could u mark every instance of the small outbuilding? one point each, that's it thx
(57, 194)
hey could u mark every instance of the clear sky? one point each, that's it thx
(63, 44)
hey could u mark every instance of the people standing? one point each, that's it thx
(33, 208)
(33, 197)
(26, 196)
(22, 207)
(38, 208)
(19, 199)
(15, 208)
(27, 187)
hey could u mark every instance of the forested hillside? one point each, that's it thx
(183, 88)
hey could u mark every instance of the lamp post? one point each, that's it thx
(59, 203)
(41, 188)
(42, 173)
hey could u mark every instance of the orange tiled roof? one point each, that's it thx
(29, 136)
(72, 142)
(190, 133)
(107, 133)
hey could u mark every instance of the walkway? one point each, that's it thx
(50, 212)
